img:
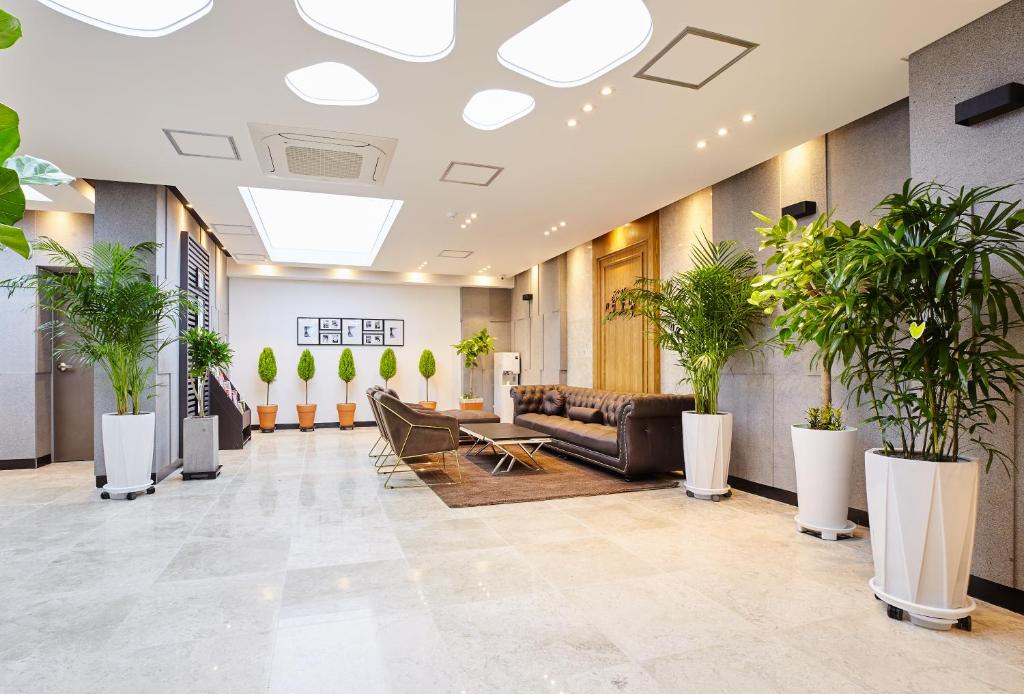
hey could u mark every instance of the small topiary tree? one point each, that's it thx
(307, 367)
(346, 369)
(388, 367)
(267, 369)
(428, 367)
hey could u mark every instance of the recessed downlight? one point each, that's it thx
(587, 108)
(463, 226)
(561, 224)
(145, 19)
(472, 215)
(331, 84)
(701, 144)
(572, 122)
(606, 91)
(747, 118)
(722, 132)
(547, 233)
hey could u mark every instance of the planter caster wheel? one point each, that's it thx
(689, 493)
(895, 613)
(964, 623)
(150, 490)
(716, 497)
(104, 495)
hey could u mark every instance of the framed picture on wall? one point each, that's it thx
(373, 338)
(330, 338)
(373, 325)
(394, 332)
(331, 324)
(308, 330)
(351, 331)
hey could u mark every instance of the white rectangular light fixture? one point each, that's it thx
(320, 228)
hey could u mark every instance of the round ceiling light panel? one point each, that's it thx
(331, 84)
(495, 108)
(134, 17)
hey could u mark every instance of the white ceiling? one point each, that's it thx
(96, 103)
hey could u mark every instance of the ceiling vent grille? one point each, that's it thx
(322, 154)
(694, 58)
(448, 253)
(471, 174)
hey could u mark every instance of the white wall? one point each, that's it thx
(263, 313)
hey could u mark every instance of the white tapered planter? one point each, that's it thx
(128, 441)
(824, 463)
(707, 447)
(922, 517)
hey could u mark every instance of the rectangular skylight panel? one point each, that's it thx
(34, 195)
(320, 228)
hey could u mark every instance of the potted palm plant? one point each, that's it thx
(306, 412)
(121, 320)
(388, 366)
(924, 302)
(471, 349)
(704, 315)
(428, 367)
(347, 373)
(798, 288)
(206, 352)
(267, 370)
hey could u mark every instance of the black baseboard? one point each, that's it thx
(981, 588)
(318, 425)
(25, 463)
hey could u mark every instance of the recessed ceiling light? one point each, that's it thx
(34, 195)
(587, 108)
(468, 221)
(321, 228)
(414, 30)
(748, 118)
(561, 224)
(463, 226)
(495, 108)
(579, 41)
(554, 228)
(134, 18)
(722, 132)
(331, 84)
(571, 122)
(606, 91)
(702, 144)
(472, 215)
(547, 233)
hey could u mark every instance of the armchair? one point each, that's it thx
(415, 434)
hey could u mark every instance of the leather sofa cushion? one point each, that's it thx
(587, 415)
(553, 403)
(594, 436)
(469, 416)
(583, 397)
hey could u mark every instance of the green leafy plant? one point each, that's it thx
(798, 287)
(114, 314)
(206, 352)
(922, 307)
(704, 315)
(20, 170)
(826, 418)
(471, 349)
(346, 369)
(266, 367)
(428, 367)
(388, 365)
(306, 369)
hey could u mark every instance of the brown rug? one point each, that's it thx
(562, 478)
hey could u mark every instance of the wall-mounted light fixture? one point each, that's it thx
(800, 209)
(996, 102)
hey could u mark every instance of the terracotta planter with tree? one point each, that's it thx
(347, 373)
(307, 412)
(267, 369)
(428, 367)
(471, 349)
(388, 366)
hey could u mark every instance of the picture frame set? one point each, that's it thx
(350, 332)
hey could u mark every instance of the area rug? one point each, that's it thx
(562, 478)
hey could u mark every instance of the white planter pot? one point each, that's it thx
(202, 447)
(707, 448)
(922, 536)
(128, 441)
(824, 461)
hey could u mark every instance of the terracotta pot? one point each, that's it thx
(346, 414)
(471, 404)
(428, 404)
(268, 418)
(307, 417)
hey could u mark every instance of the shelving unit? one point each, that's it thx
(234, 415)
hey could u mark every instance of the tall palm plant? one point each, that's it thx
(704, 315)
(113, 312)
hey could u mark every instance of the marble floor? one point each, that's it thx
(296, 572)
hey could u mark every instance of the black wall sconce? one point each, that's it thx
(800, 209)
(527, 297)
(996, 102)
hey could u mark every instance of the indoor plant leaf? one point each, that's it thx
(12, 197)
(35, 171)
(10, 29)
(10, 138)
(14, 238)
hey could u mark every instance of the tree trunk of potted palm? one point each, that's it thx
(705, 316)
(201, 437)
(921, 319)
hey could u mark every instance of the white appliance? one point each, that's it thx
(506, 375)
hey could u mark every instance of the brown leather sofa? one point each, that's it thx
(632, 434)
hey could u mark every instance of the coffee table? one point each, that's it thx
(500, 436)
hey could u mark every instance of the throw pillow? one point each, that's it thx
(587, 415)
(554, 403)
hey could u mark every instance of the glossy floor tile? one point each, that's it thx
(297, 572)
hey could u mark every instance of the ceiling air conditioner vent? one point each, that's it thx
(322, 154)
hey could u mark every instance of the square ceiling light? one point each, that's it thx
(189, 143)
(418, 31)
(579, 41)
(495, 108)
(134, 17)
(331, 84)
(694, 58)
(320, 228)
(471, 174)
(450, 253)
